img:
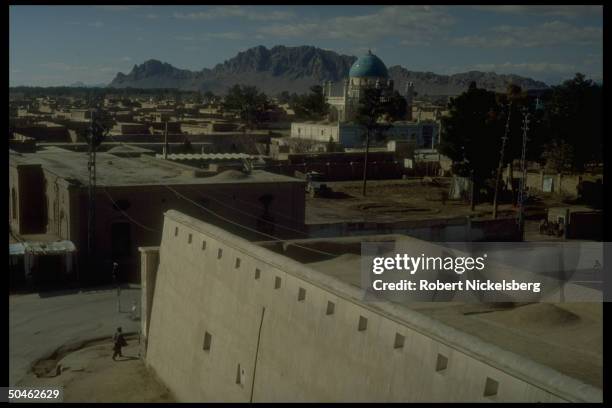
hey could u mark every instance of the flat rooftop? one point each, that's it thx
(114, 171)
(567, 337)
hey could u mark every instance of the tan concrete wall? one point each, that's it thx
(305, 354)
(313, 131)
(565, 184)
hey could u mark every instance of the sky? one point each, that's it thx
(61, 45)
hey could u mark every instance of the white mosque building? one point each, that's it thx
(368, 71)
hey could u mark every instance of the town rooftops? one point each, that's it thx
(114, 171)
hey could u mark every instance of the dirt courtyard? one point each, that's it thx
(410, 199)
(90, 375)
(391, 201)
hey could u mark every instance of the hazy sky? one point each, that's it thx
(59, 45)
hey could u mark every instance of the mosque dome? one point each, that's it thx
(369, 65)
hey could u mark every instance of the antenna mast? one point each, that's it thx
(166, 141)
(91, 213)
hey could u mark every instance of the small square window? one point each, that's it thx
(491, 387)
(331, 308)
(176, 231)
(237, 263)
(203, 245)
(277, 283)
(207, 341)
(301, 294)
(441, 363)
(257, 274)
(399, 341)
(219, 253)
(190, 239)
(363, 323)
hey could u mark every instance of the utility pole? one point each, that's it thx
(166, 142)
(91, 213)
(501, 161)
(96, 133)
(521, 196)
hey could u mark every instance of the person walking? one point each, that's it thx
(118, 343)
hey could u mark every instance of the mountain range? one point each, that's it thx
(79, 84)
(295, 69)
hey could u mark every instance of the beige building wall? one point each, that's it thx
(233, 321)
(564, 184)
(315, 132)
(41, 201)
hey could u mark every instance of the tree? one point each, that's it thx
(512, 100)
(311, 106)
(377, 109)
(558, 155)
(210, 97)
(471, 134)
(574, 118)
(248, 102)
(284, 97)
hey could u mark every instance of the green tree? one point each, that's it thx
(378, 109)
(249, 102)
(472, 134)
(574, 118)
(512, 103)
(311, 106)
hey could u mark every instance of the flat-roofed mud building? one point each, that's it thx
(48, 194)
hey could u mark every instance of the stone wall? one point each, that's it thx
(233, 321)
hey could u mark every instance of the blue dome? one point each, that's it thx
(369, 66)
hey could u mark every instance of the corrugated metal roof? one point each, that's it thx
(42, 248)
(206, 156)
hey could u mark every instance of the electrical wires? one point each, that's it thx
(244, 226)
(125, 214)
(249, 214)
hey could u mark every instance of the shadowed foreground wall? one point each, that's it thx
(317, 341)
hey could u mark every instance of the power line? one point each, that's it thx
(273, 212)
(125, 214)
(242, 143)
(244, 226)
(253, 206)
(248, 214)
